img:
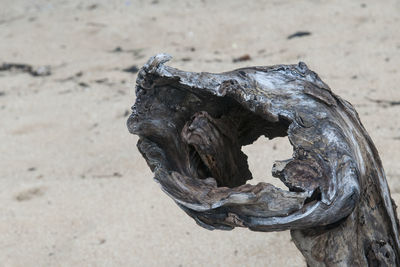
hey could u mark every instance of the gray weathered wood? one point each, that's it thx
(192, 127)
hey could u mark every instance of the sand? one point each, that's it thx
(74, 190)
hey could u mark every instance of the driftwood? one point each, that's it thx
(192, 127)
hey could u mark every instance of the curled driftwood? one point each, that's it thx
(192, 127)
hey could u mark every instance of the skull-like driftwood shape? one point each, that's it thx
(192, 127)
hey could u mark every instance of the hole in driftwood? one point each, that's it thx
(210, 134)
(261, 157)
(215, 145)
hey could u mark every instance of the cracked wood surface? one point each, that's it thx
(192, 127)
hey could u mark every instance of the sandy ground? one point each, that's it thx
(74, 191)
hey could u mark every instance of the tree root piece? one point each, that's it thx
(192, 127)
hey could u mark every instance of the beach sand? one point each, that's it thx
(75, 191)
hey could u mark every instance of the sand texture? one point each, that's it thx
(75, 191)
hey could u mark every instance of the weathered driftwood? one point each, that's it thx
(192, 127)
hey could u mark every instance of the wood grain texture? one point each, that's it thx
(192, 127)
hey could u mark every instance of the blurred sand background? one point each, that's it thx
(74, 190)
